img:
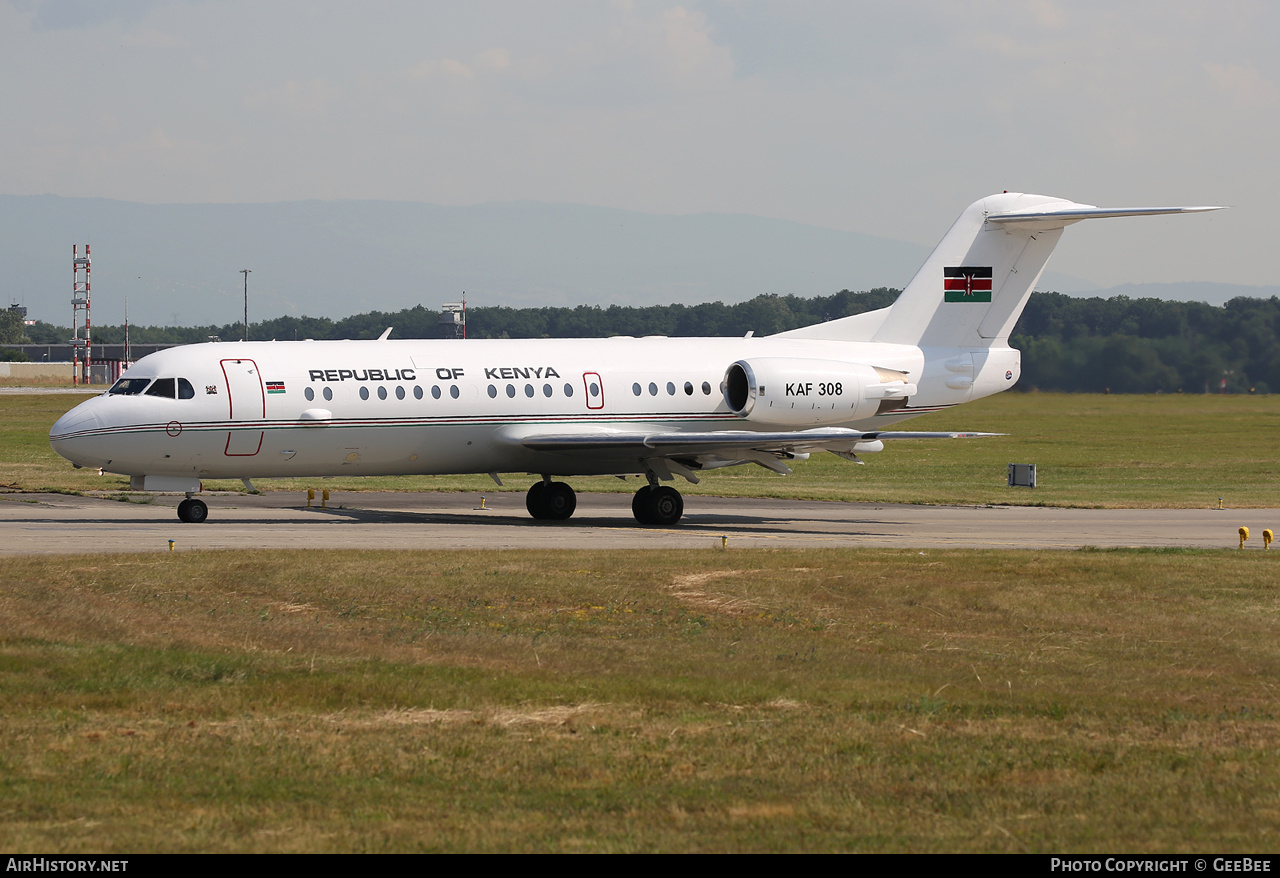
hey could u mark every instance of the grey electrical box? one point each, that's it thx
(1022, 475)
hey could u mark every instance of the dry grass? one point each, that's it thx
(630, 701)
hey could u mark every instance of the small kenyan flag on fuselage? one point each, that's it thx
(275, 387)
(965, 283)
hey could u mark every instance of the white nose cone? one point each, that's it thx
(72, 435)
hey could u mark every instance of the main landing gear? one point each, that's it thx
(192, 510)
(652, 504)
(551, 501)
(657, 504)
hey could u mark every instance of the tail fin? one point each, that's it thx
(973, 287)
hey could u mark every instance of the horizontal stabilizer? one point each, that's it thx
(1084, 212)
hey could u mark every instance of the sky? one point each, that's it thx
(885, 118)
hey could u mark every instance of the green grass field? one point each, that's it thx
(1090, 450)
(827, 700)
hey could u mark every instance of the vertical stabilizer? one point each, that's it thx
(973, 287)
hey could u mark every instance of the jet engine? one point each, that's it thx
(803, 392)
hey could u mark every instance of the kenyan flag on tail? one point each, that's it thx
(966, 283)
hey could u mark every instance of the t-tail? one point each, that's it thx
(973, 287)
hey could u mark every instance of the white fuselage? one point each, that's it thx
(326, 408)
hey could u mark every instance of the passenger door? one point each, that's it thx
(247, 404)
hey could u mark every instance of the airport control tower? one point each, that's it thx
(453, 319)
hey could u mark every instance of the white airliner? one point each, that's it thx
(654, 407)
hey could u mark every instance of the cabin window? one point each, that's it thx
(382, 393)
(653, 389)
(511, 391)
(528, 391)
(328, 393)
(435, 391)
(417, 392)
(671, 389)
(635, 388)
(309, 394)
(546, 390)
(129, 386)
(453, 390)
(568, 390)
(594, 388)
(706, 388)
(688, 388)
(185, 390)
(493, 392)
(162, 387)
(364, 393)
(399, 392)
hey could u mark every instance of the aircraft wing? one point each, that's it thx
(683, 452)
(832, 438)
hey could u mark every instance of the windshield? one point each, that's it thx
(168, 388)
(162, 387)
(130, 386)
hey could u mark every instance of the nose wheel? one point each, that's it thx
(192, 511)
(657, 505)
(551, 501)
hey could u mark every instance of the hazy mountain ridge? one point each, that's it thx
(179, 264)
(343, 257)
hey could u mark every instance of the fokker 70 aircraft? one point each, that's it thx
(655, 407)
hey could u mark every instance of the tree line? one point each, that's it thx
(1120, 345)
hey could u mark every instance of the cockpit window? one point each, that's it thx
(162, 387)
(185, 390)
(130, 386)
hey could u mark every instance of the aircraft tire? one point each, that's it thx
(536, 500)
(640, 504)
(193, 511)
(666, 506)
(662, 505)
(559, 501)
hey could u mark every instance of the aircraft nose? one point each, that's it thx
(72, 432)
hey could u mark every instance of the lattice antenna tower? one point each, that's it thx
(80, 271)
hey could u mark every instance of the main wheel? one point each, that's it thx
(192, 511)
(640, 504)
(661, 505)
(665, 505)
(560, 501)
(536, 500)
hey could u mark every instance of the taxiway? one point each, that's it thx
(54, 523)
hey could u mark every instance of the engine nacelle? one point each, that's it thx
(802, 392)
